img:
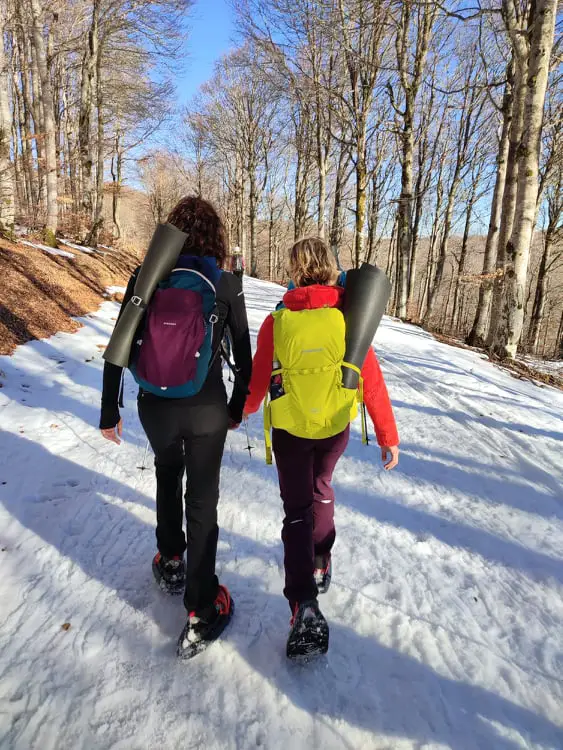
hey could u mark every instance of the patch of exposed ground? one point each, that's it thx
(40, 293)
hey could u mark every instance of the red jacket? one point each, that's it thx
(375, 392)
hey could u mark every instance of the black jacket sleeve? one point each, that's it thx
(242, 352)
(113, 374)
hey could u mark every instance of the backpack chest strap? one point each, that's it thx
(306, 370)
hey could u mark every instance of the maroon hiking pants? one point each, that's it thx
(305, 470)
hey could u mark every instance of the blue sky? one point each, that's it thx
(211, 27)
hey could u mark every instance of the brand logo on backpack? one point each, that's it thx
(173, 352)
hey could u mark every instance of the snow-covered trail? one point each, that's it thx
(446, 608)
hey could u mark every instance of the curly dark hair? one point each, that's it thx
(201, 222)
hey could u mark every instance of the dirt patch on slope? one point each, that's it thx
(41, 293)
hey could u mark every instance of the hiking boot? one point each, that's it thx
(170, 573)
(206, 625)
(308, 636)
(323, 573)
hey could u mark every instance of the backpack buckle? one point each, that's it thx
(136, 300)
(213, 318)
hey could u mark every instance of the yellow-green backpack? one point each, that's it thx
(309, 345)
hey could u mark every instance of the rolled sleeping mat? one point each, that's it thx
(365, 298)
(164, 249)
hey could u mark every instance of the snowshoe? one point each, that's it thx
(323, 573)
(202, 628)
(169, 573)
(308, 636)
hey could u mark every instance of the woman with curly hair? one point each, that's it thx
(189, 434)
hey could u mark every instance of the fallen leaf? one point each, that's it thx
(66, 626)
(54, 426)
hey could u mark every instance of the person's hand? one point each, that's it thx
(114, 433)
(233, 425)
(390, 453)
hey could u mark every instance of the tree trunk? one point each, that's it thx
(541, 294)
(302, 146)
(481, 322)
(410, 82)
(336, 224)
(391, 258)
(20, 196)
(21, 98)
(521, 62)
(404, 224)
(271, 258)
(116, 165)
(6, 179)
(85, 140)
(518, 249)
(558, 352)
(37, 110)
(93, 235)
(443, 250)
(49, 124)
(361, 187)
(373, 221)
(463, 251)
(424, 176)
(322, 163)
(252, 208)
(448, 298)
(507, 212)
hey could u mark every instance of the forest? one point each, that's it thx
(420, 135)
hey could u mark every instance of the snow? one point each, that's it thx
(81, 248)
(47, 249)
(549, 366)
(115, 290)
(89, 250)
(446, 607)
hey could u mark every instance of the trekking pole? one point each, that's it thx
(249, 447)
(142, 467)
(365, 423)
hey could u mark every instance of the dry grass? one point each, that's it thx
(40, 293)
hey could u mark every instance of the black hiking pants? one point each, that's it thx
(187, 436)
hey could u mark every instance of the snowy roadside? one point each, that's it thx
(446, 609)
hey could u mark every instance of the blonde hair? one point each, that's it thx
(311, 262)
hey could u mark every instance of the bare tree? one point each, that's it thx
(87, 102)
(46, 103)
(533, 54)
(414, 20)
(363, 29)
(477, 169)
(550, 256)
(481, 322)
(468, 119)
(6, 181)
